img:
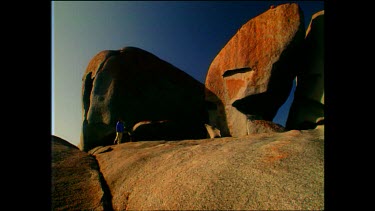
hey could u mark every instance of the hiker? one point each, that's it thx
(120, 128)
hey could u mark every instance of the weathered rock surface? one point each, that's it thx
(263, 126)
(308, 104)
(254, 72)
(267, 171)
(99, 149)
(135, 85)
(76, 179)
(212, 131)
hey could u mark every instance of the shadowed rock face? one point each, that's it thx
(254, 72)
(163, 130)
(135, 85)
(308, 103)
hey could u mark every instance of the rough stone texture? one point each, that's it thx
(308, 104)
(268, 171)
(76, 180)
(254, 72)
(212, 132)
(135, 85)
(263, 126)
(99, 149)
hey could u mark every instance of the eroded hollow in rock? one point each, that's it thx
(235, 71)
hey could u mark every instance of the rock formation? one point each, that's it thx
(77, 183)
(262, 126)
(212, 132)
(135, 85)
(254, 72)
(307, 109)
(267, 171)
(263, 167)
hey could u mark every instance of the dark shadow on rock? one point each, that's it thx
(96, 134)
(168, 130)
(100, 149)
(256, 105)
(143, 87)
(236, 71)
(306, 126)
(86, 93)
(216, 112)
(284, 72)
(107, 196)
(313, 107)
(307, 105)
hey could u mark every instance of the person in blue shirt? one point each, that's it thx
(120, 128)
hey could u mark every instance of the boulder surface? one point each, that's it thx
(136, 86)
(266, 171)
(253, 74)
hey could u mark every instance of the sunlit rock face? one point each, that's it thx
(254, 72)
(307, 110)
(263, 171)
(135, 85)
(76, 181)
(263, 126)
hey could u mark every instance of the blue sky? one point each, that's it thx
(186, 34)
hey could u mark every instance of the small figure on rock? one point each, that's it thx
(120, 128)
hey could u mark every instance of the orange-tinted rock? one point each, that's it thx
(76, 179)
(263, 126)
(267, 171)
(135, 85)
(261, 58)
(307, 110)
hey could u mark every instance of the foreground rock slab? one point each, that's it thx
(76, 179)
(278, 171)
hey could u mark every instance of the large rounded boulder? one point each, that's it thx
(253, 74)
(136, 86)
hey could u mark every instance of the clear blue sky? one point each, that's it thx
(186, 34)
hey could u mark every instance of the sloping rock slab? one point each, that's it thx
(278, 171)
(100, 149)
(76, 180)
